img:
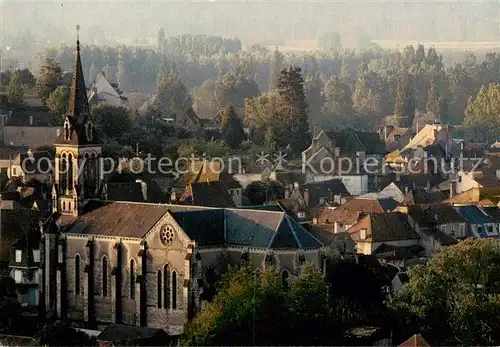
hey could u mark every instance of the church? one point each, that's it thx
(142, 264)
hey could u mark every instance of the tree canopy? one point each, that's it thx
(455, 299)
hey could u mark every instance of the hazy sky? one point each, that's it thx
(254, 21)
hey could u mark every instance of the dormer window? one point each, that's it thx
(67, 133)
(89, 131)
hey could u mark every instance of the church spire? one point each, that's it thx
(78, 105)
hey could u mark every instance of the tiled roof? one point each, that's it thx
(118, 219)
(475, 195)
(41, 116)
(422, 196)
(415, 341)
(211, 194)
(384, 227)
(398, 252)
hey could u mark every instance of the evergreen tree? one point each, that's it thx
(291, 89)
(58, 100)
(404, 107)
(432, 99)
(444, 113)
(49, 79)
(275, 66)
(232, 128)
(338, 109)
(345, 77)
(15, 92)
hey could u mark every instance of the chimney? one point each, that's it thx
(453, 188)
(498, 174)
(428, 186)
(287, 192)
(315, 220)
(337, 152)
(144, 189)
(31, 120)
(406, 189)
(296, 185)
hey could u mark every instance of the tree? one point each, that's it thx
(231, 88)
(160, 42)
(121, 73)
(48, 80)
(172, 96)
(254, 307)
(15, 92)
(26, 77)
(261, 192)
(111, 122)
(60, 333)
(275, 66)
(482, 117)
(291, 89)
(58, 100)
(454, 300)
(329, 41)
(338, 110)
(404, 106)
(432, 99)
(444, 113)
(232, 128)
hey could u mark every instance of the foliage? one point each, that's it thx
(60, 333)
(111, 122)
(58, 100)
(483, 113)
(198, 148)
(291, 89)
(329, 41)
(261, 192)
(454, 300)
(338, 109)
(432, 100)
(254, 308)
(48, 79)
(232, 128)
(275, 67)
(15, 92)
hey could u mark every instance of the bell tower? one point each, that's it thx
(78, 150)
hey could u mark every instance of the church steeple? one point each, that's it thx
(77, 175)
(78, 106)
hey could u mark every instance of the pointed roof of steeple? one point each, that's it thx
(78, 110)
(78, 105)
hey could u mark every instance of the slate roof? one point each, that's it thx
(426, 215)
(474, 215)
(211, 194)
(326, 189)
(14, 226)
(398, 252)
(422, 196)
(42, 117)
(493, 212)
(207, 226)
(350, 141)
(384, 227)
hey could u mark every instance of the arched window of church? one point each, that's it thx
(63, 172)
(166, 287)
(93, 168)
(132, 279)
(284, 278)
(158, 287)
(86, 167)
(104, 276)
(77, 274)
(70, 172)
(174, 290)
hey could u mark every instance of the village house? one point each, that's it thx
(480, 223)
(376, 229)
(31, 127)
(102, 91)
(343, 155)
